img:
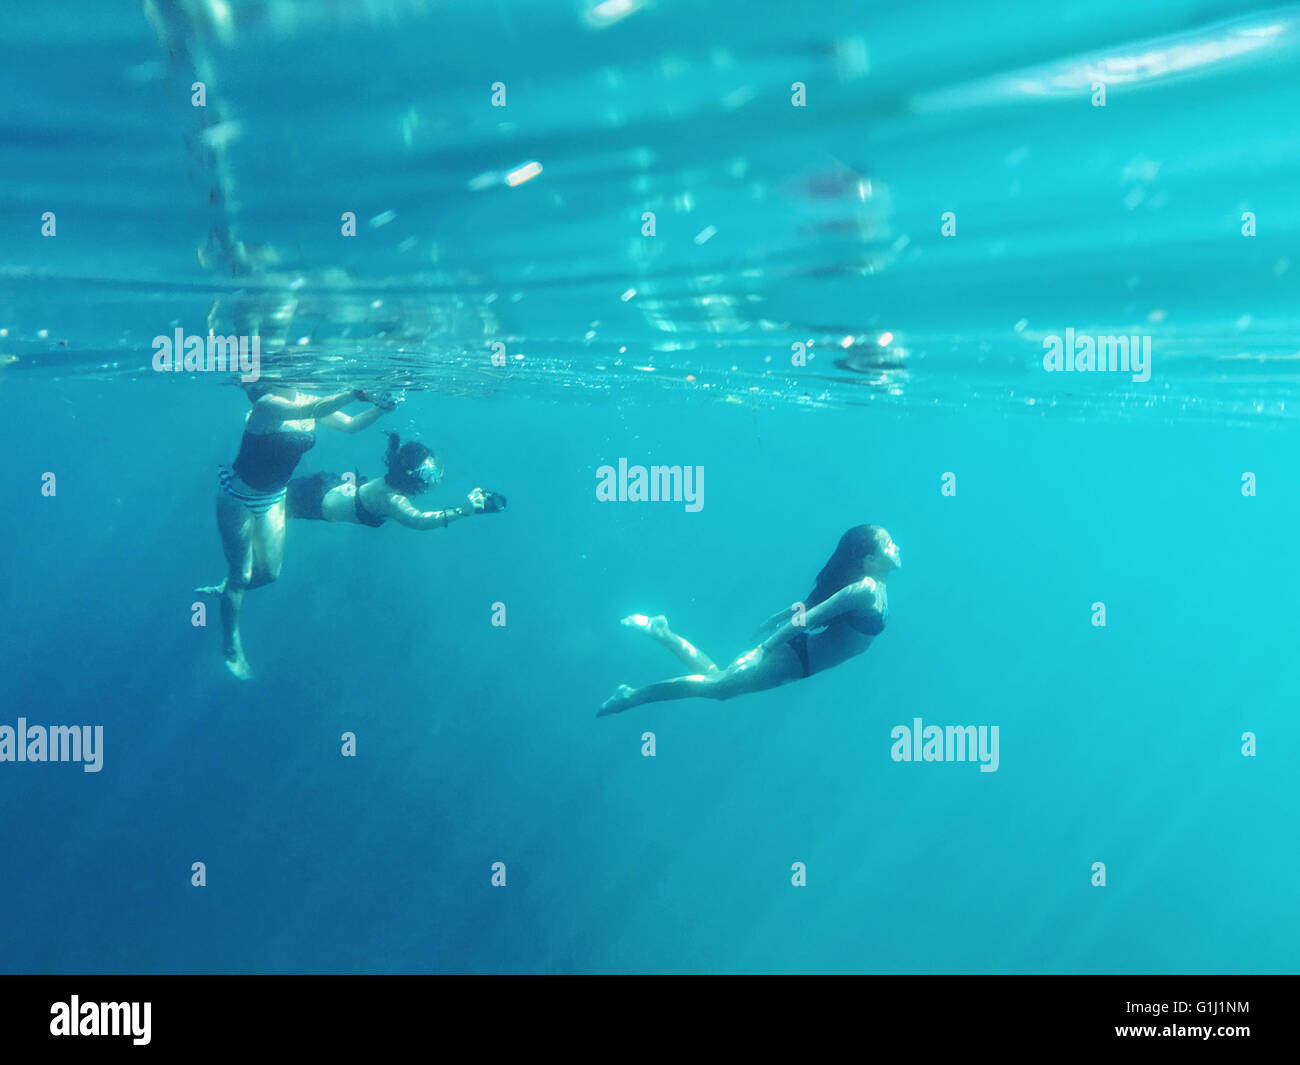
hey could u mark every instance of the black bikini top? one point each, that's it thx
(266, 461)
(867, 624)
(365, 516)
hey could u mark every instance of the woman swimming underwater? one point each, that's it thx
(412, 469)
(847, 606)
(278, 431)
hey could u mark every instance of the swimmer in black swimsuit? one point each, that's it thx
(278, 431)
(412, 470)
(845, 611)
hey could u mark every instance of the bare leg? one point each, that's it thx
(755, 671)
(232, 647)
(657, 629)
(266, 539)
(698, 686)
(268, 546)
(235, 524)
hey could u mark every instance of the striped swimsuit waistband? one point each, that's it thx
(257, 502)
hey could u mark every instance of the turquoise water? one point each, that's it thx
(775, 226)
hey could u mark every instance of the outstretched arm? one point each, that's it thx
(300, 408)
(384, 402)
(346, 423)
(861, 597)
(770, 624)
(405, 514)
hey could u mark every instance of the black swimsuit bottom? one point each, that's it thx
(867, 624)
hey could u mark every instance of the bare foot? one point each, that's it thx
(240, 668)
(655, 626)
(237, 663)
(212, 589)
(617, 702)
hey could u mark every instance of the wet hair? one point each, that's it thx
(256, 390)
(402, 461)
(846, 565)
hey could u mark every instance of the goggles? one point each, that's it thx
(429, 472)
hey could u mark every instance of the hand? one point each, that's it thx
(476, 501)
(388, 401)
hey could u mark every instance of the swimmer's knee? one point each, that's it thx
(270, 566)
(264, 577)
(723, 685)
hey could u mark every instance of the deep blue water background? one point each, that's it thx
(479, 744)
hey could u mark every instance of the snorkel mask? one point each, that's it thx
(429, 472)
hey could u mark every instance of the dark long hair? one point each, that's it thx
(402, 461)
(845, 566)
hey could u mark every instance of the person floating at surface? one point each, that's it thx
(846, 607)
(278, 431)
(412, 470)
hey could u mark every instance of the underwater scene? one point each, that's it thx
(555, 486)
